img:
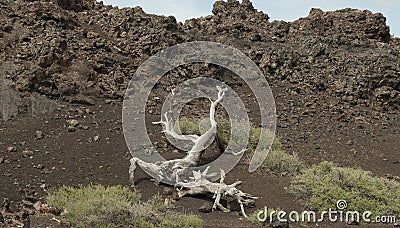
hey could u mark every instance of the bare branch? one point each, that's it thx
(201, 185)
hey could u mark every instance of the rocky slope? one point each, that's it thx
(69, 48)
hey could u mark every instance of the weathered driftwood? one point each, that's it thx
(176, 170)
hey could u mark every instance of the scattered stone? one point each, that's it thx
(11, 149)
(175, 195)
(167, 191)
(1, 159)
(1, 218)
(39, 135)
(46, 209)
(27, 153)
(73, 123)
(206, 207)
(96, 138)
(85, 127)
(80, 112)
(27, 203)
(37, 205)
(71, 129)
(79, 99)
(6, 204)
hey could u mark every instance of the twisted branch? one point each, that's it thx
(172, 170)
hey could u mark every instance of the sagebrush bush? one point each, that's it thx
(281, 163)
(278, 161)
(322, 185)
(115, 206)
(190, 126)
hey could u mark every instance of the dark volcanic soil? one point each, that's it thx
(335, 77)
(74, 158)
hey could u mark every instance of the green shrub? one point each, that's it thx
(281, 163)
(324, 184)
(190, 126)
(91, 200)
(100, 206)
(278, 161)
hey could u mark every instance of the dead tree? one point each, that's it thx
(173, 171)
(200, 185)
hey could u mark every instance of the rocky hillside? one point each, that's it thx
(64, 49)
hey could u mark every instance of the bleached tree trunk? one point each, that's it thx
(173, 169)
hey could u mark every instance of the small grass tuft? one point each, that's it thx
(188, 126)
(324, 184)
(281, 163)
(278, 161)
(115, 206)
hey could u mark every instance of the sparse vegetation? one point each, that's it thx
(278, 161)
(324, 184)
(188, 126)
(193, 126)
(115, 206)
